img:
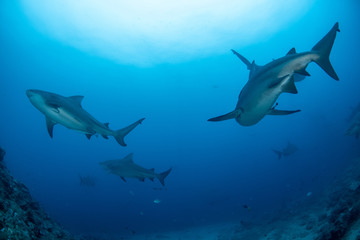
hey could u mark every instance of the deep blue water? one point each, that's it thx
(217, 167)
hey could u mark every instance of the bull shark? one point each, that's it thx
(266, 83)
(126, 168)
(68, 112)
(288, 150)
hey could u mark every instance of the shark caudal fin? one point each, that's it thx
(323, 48)
(279, 153)
(120, 134)
(230, 115)
(163, 175)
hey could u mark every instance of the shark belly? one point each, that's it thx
(256, 113)
(256, 102)
(68, 120)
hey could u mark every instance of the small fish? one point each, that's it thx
(157, 201)
(246, 207)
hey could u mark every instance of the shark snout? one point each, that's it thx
(33, 92)
(29, 93)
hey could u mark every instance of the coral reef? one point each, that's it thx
(20, 216)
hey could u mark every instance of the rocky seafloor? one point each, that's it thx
(21, 218)
(334, 215)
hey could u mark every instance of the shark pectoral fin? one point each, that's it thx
(120, 134)
(290, 87)
(243, 59)
(123, 179)
(50, 126)
(230, 115)
(281, 112)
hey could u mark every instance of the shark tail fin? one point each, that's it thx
(163, 175)
(230, 115)
(323, 48)
(279, 153)
(120, 134)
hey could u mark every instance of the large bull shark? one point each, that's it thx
(266, 83)
(68, 112)
(126, 168)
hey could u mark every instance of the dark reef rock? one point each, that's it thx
(21, 218)
(343, 207)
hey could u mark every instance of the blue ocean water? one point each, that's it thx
(217, 167)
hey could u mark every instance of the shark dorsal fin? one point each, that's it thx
(129, 158)
(291, 51)
(106, 125)
(77, 99)
(253, 69)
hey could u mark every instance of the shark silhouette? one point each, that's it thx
(126, 168)
(68, 112)
(288, 150)
(266, 83)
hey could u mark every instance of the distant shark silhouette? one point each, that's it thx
(266, 83)
(288, 150)
(126, 168)
(88, 180)
(354, 128)
(68, 112)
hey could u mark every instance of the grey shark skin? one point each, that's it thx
(68, 112)
(126, 168)
(288, 150)
(267, 82)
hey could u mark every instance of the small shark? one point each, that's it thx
(126, 168)
(354, 128)
(88, 180)
(68, 112)
(288, 150)
(266, 83)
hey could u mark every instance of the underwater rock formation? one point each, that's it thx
(21, 218)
